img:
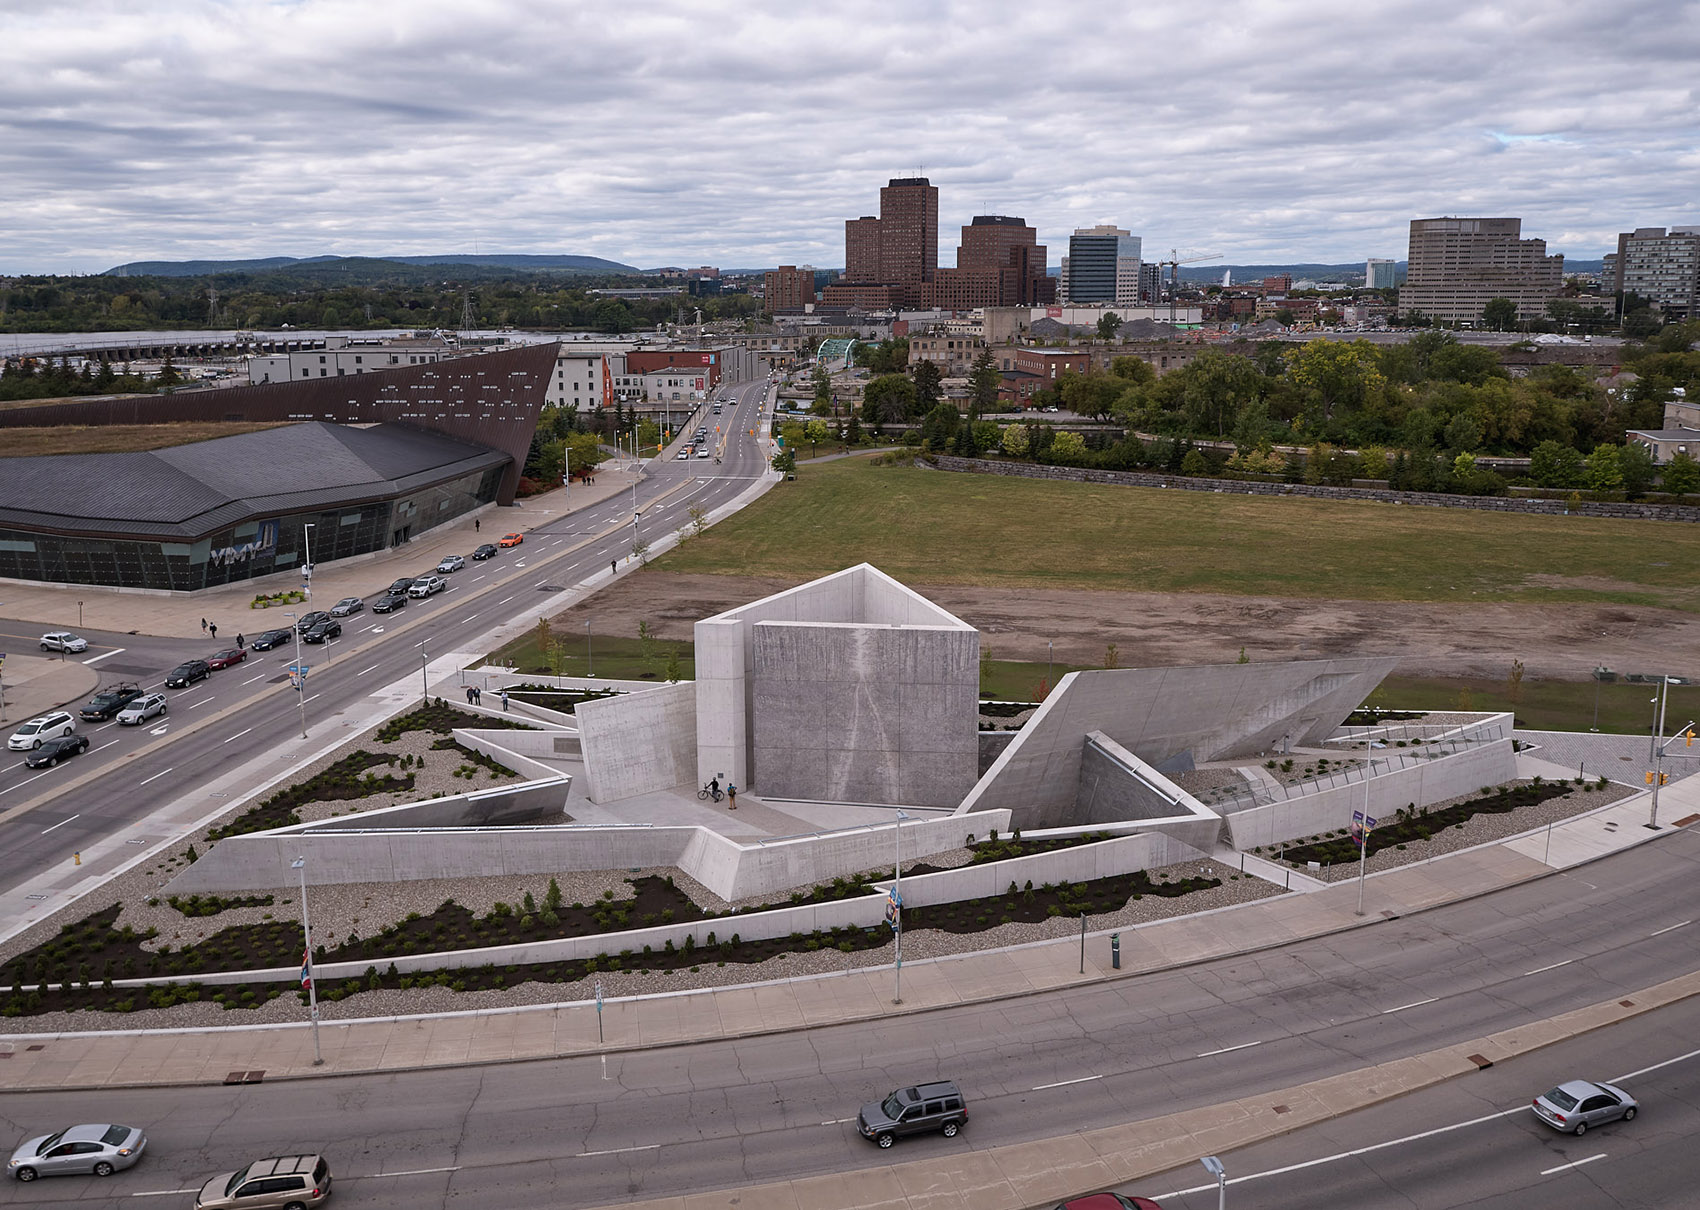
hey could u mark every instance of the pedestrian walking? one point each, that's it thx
(613, 567)
(240, 641)
(203, 625)
(469, 695)
(477, 695)
(504, 697)
(475, 525)
(213, 630)
(732, 794)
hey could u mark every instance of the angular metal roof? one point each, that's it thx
(189, 491)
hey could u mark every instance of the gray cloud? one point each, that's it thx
(744, 134)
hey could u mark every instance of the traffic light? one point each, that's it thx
(1688, 738)
(1664, 779)
(1649, 777)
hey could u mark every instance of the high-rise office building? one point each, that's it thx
(1103, 266)
(1380, 274)
(1456, 265)
(909, 230)
(862, 249)
(1661, 268)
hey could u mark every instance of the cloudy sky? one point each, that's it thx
(743, 134)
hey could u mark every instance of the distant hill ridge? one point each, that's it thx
(499, 260)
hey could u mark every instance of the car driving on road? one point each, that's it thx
(187, 673)
(511, 539)
(1577, 1105)
(925, 1107)
(307, 621)
(109, 702)
(226, 658)
(270, 639)
(287, 1180)
(401, 585)
(426, 586)
(484, 551)
(40, 729)
(63, 640)
(142, 709)
(389, 602)
(53, 751)
(449, 563)
(330, 628)
(98, 1149)
(347, 606)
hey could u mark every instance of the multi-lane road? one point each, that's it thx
(144, 768)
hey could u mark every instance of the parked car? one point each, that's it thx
(100, 1149)
(427, 586)
(389, 602)
(39, 730)
(109, 702)
(227, 657)
(511, 540)
(187, 673)
(347, 606)
(1579, 1104)
(142, 709)
(330, 628)
(484, 551)
(63, 640)
(925, 1107)
(285, 1180)
(1109, 1201)
(270, 639)
(307, 621)
(401, 585)
(52, 751)
(450, 563)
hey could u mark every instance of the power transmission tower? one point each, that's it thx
(215, 317)
(466, 324)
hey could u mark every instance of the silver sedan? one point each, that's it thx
(1579, 1104)
(101, 1150)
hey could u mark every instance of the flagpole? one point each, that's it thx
(300, 865)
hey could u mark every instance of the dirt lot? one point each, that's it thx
(1155, 629)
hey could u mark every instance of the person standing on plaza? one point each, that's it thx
(732, 796)
(504, 696)
(203, 625)
(212, 629)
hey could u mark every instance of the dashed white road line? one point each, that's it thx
(155, 777)
(1230, 1049)
(62, 823)
(252, 679)
(1066, 1083)
(1412, 1004)
(505, 600)
(238, 735)
(405, 1172)
(620, 1150)
(1670, 928)
(1575, 1164)
(107, 656)
(364, 671)
(1543, 969)
(164, 1192)
(23, 783)
(203, 701)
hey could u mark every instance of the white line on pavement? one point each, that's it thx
(62, 823)
(1655, 1067)
(202, 702)
(505, 600)
(164, 1192)
(1576, 1164)
(619, 1150)
(97, 659)
(252, 679)
(1231, 1049)
(1670, 928)
(1412, 1004)
(26, 782)
(238, 735)
(1066, 1083)
(408, 1172)
(155, 777)
(469, 617)
(107, 744)
(364, 671)
(1543, 969)
(837, 1121)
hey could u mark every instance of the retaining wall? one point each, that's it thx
(1246, 487)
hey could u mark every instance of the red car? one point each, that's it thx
(227, 657)
(511, 539)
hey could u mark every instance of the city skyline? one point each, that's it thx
(746, 135)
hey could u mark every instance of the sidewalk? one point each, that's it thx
(34, 682)
(228, 607)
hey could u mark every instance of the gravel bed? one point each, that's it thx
(1196, 781)
(1480, 829)
(917, 944)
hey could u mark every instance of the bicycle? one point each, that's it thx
(710, 790)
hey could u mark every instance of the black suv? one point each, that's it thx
(108, 702)
(936, 1106)
(187, 673)
(307, 621)
(330, 628)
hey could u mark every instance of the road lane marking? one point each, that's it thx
(620, 1150)
(155, 777)
(1655, 1067)
(97, 659)
(1670, 928)
(1412, 1004)
(203, 701)
(1576, 1164)
(469, 617)
(1543, 969)
(1066, 1083)
(475, 579)
(21, 784)
(406, 1172)
(838, 1121)
(364, 671)
(107, 744)
(165, 1192)
(505, 600)
(61, 823)
(238, 735)
(252, 679)
(1230, 1049)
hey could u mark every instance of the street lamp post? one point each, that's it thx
(424, 678)
(300, 671)
(897, 912)
(307, 567)
(1363, 838)
(589, 656)
(1213, 1166)
(299, 865)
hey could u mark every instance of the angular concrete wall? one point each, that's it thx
(1167, 714)
(728, 731)
(638, 742)
(864, 713)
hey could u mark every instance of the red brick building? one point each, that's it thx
(647, 361)
(788, 288)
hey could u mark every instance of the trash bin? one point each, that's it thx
(1116, 951)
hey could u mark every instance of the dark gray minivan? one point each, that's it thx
(918, 1110)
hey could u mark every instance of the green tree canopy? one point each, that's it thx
(1499, 314)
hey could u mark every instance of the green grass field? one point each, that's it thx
(928, 526)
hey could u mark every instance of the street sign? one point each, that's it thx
(297, 674)
(893, 908)
(1362, 826)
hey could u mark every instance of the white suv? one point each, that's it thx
(63, 640)
(38, 730)
(142, 709)
(424, 586)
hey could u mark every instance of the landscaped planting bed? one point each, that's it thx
(550, 698)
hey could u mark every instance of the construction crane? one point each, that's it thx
(1175, 261)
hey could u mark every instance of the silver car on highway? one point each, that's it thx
(101, 1150)
(1579, 1104)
